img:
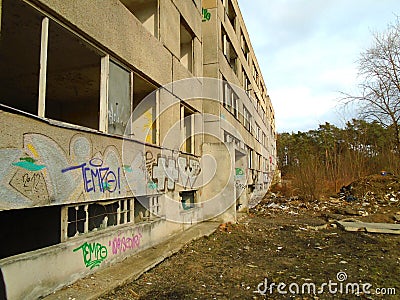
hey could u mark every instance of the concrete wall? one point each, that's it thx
(38, 273)
(219, 194)
(63, 162)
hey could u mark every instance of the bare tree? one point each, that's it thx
(379, 68)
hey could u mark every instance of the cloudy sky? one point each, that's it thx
(307, 51)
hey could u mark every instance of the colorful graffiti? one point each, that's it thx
(121, 244)
(96, 175)
(28, 163)
(46, 172)
(93, 254)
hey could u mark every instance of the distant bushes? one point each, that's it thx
(318, 162)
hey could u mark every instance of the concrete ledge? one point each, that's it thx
(107, 279)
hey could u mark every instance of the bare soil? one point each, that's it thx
(285, 241)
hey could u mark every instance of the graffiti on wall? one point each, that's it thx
(45, 173)
(96, 176)
(120, 244)
(31, 184)
(93, 254)
(206, 15)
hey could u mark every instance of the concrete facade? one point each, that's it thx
(229, 56)
(98, 162)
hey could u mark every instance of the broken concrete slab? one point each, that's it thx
(356, 225)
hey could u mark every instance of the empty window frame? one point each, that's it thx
(263, 115)
(29, 229)
(228, 51)
(235, 105)
(186, 46)
(230, 12)
(187, 128)
(259, 157)
(145, 121)
(231, 139)
(232, 59)
(226, 97)
(231, 100)
(244, 46)
(187, 199)
(71, 83)
(147, 12)
(147, 208)
(250, 158)
(72, 91)
(246, 83)
(51, 72)
(246, 119)
(224, 42)
(84, 218)
(255, 73)
(257, 132)
(20, 55)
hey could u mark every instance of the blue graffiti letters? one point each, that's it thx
(96, 177)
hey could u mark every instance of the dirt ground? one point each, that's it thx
(281, 250)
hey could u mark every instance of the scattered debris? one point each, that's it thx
(381, 188)
(226, 227)
(322, 227)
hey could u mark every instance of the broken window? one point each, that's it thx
(146, 11)
(187, 199)
(119, 99)
(186, 45)
(29, 229)
(84, 218)
(20, 55)
(147, 208)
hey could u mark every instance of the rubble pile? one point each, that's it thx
(375, 188)
(373, 198)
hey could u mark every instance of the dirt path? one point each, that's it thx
(280, 242)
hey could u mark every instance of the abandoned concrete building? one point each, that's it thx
(122, 122)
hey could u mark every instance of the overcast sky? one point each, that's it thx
(307, 51)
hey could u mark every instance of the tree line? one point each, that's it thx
(319, 162)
